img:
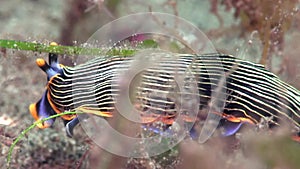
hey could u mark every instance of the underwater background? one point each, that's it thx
(261, 31)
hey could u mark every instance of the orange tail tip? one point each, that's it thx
(42, 125)
(34, 113)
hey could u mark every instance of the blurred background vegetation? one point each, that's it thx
(262, 31)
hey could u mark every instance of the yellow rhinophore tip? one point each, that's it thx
(53, 44)
(40, 62)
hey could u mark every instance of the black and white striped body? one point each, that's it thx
(251, 91)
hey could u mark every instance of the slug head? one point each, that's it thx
(44, 107)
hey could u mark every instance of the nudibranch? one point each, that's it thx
(252, 92)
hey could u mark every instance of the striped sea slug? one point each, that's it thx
(252, 93)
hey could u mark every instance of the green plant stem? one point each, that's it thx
(24, 132)
(70, 50)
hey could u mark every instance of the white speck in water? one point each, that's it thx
(151, 164)
(295, 9)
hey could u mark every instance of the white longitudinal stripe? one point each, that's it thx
(98, 64)
(272, 95)
(85, 96)
(249, 70)
(93, 75)
(271, 80)
(94, 100)
(254, 104)
(72, 88)
(277, 88)
(268, 84)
